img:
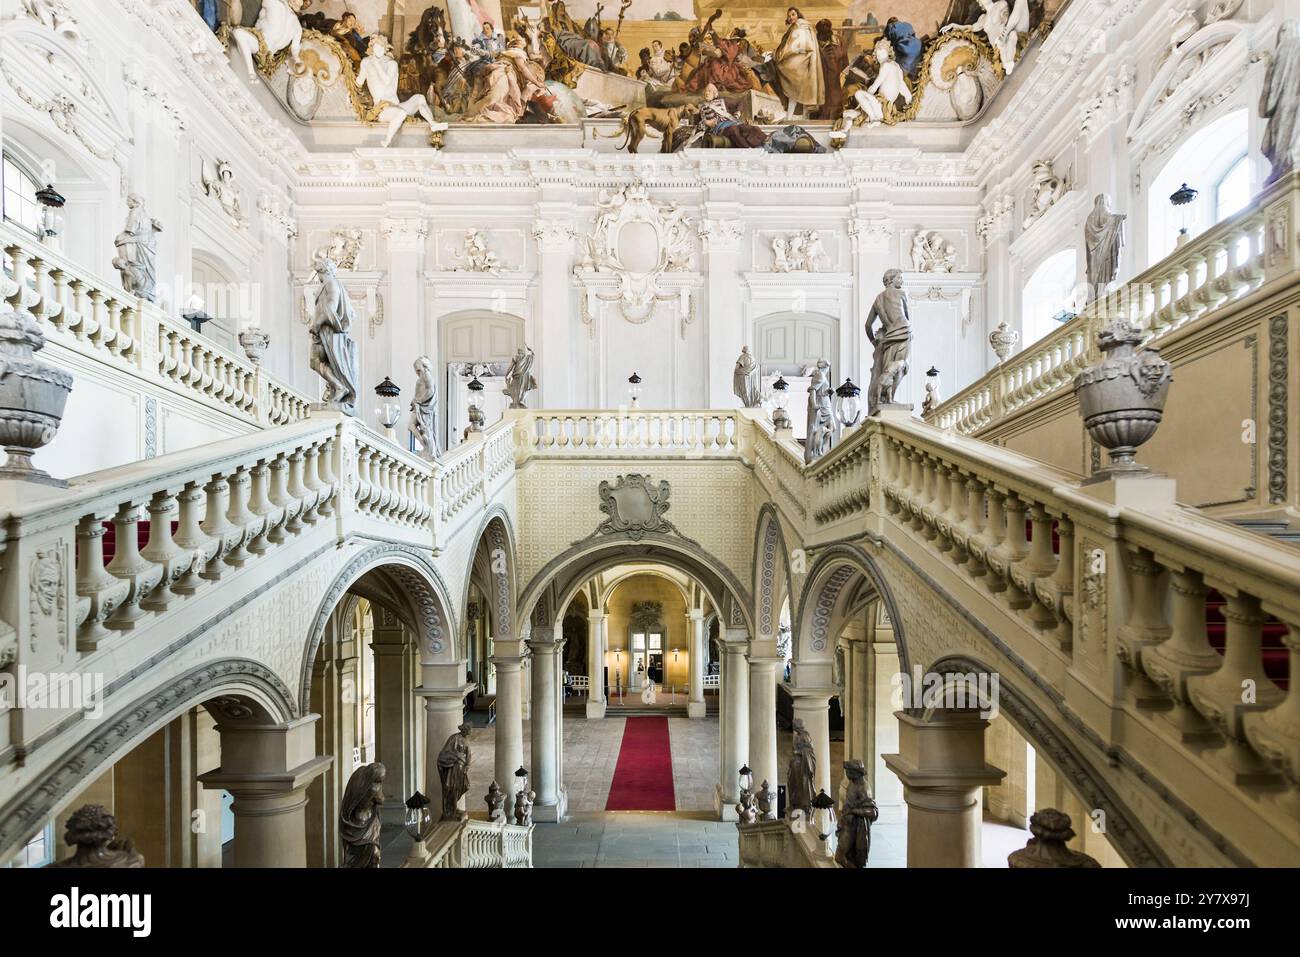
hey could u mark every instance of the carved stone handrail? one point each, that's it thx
(775, 844)
(600, 432)
(1236, 258)
(477, 845)
(97, 319)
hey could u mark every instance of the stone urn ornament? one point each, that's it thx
(1122, 397)
(33, 395)
(1050, 829)
(1003, 339)
(254, 342)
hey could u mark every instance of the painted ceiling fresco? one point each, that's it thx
(665, 73)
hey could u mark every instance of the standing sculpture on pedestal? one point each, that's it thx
(137, 248)
(333, 351)
(744, 380)
(1280, 102)
(424, 409)
(93, 832)
(453, 773)
(858, 813)
(801, 773)
(893, 343)
(821, 415)
(359, 823)
(1103, 238)
(519, 377)
(496, 802)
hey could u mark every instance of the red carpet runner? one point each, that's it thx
(643, 777)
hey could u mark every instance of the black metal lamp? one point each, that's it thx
(824, 815)
(848, 408)
(194, 313)
(1183, 197)
(634, 390)
(476, 416)
(51, 201)
(389, 410)
(780, 399)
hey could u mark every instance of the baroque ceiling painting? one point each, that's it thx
(648, 75)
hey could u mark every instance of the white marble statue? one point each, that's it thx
(744, 380)
(1002, 25)
(892, 343)
(519, 377)
(802, 251)
(333, 350)
(278, 24)
(378, 74)
(821, 415)
(137, 249)
(1103, 238)
(424, 409)
(1043, 193)
(1280, 103)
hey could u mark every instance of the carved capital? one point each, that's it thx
(871, 233)
(721, 235)
(404, 234)
(553, 234)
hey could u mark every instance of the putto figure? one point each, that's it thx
(893, 342)
(424, 409)
(519, 377)
(359, 822)
(453, 773)
(378, 74)
(333, 351)
(745, 380)
(1002, 25)
(137, 249)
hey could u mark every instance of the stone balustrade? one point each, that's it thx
(96, 319)
(1236, 258)
(630, 431)
(775, 844)
(476, 844)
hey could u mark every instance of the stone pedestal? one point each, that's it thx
(941, 764)
(267, 769)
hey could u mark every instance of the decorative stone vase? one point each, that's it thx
(1122, 398)
(254, 342)
(1003, 339)
(1051, 829)
(32, 397)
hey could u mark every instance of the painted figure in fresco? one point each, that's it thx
(906, 44)
(359, 823)
(722, 64)
(378, 74)
(211, 16)
(467, 19)
(798, 66)
(893, 343)
(1280, 103)
(424, 409)
(1002, 25)
(278, 23)
(350, 38)
(880, 100)
(489, 41)
(834, 62)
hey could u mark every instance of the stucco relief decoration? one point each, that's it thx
(825, 604)
(54, 15)
(638, 240)
(930, 252)
(343, 248)
(219, 183)
(1043, 192)
(801, 251)
(475, 255)
(635, 505)
(49, 599)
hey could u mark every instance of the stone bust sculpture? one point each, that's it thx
(93, 832)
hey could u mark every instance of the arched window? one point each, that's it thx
(20, 206)
(1212, 161)
(1049, 295)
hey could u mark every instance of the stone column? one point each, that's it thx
(546, 726)
(699, 655)
(812, 706)
(596, 624)
(734, 753)
(508, 661)
(763, 665)
(395, 717)
(443, 688)
(267, 768)
(942, 767)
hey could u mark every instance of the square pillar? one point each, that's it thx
(695, 707)
(597, 622)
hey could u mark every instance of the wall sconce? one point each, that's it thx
(780, 398)
(389, 410)
(1182, 197)
(674, 656)
(847, 407)
(634, 390)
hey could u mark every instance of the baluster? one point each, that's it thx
(1145, 625)
(217, 527)
(326, 480)
(104, 591)
(259, 504)
(311, 482)
(163, 551)
(285, 507)
(130, 566)
(1186, 654)
(1275, 734)
(1237, 688)
(240, 518)
(191, 537)
(298, 492)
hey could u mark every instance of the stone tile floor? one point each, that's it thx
(636, 839)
